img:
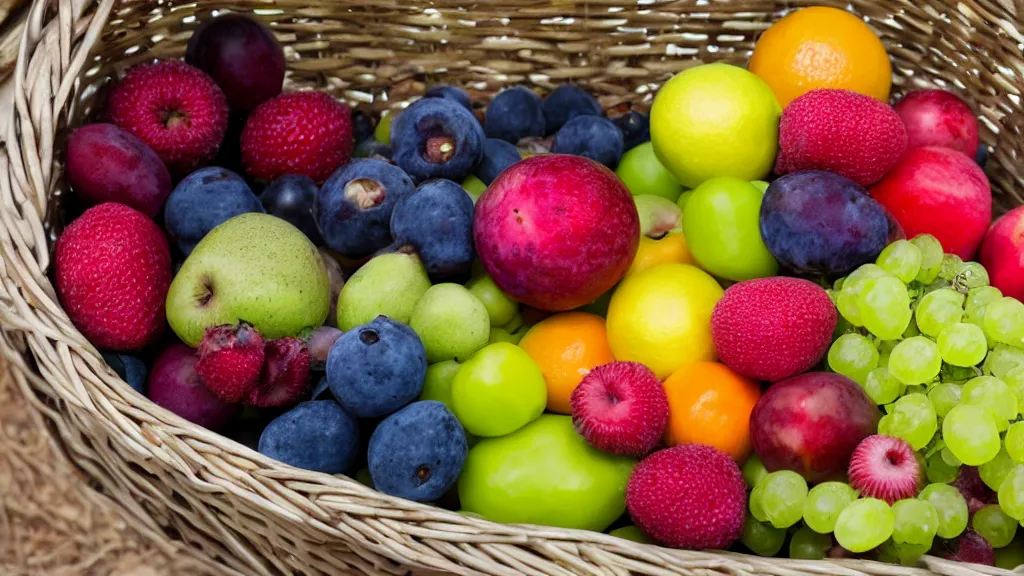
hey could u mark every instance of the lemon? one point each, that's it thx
(715, 120)
(661, 317)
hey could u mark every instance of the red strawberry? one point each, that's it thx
(307, 133)
(174, 108)
(620, 407)
(113, 269)
(230, 361)
(285, 377)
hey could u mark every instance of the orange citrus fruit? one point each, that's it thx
(567, 347)
(710, 404)
(821, 47)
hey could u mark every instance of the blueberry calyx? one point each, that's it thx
(365, 193)
(439, 149)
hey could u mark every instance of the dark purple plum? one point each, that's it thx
(450, 92)
(817, 222)
(291, 198)
(242, 56)
(202, 201)
(436, 138)
(635, 127)
(108, 164)
(317, 435)
(362, 126)
(565, 103)
(436, 222)
(591, 137)
(498, 155)
(175, 385)
(514, 114)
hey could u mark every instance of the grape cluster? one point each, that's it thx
(942, 354)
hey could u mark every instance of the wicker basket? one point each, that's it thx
(253, 515)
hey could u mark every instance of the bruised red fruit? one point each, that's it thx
(973, 489)
(174, 384)
(938, 118)
(886, 468)
(840, 131)
(556, 231)
(285, 376)
(108, 164)
(773, 328)
(176, 109)
(1002, 253)
(112, 272)
(941, 192)
(621, 408)
(811, 424)
(230, 361)
(969, 547)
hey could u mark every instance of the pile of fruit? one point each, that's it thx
(763, 326)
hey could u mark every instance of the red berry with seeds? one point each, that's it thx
(231, 360)
(620, 407)
(886, 468)
(285, 377)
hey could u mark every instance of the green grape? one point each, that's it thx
(903, 259)
(1014, 442)
(951, 264)
(994, 525)
(978, 300)
(853, 356)
(949, 458)
(912, 418)
(809, 545)
(782, 497)
(885, 307)
(958, 374)
(963, 344)
(944, 397)
(916, 389)
(1011, 493)
(1011, 556)
(996, 470)
(753, 471)
(931, 257)
(883, 388)
(1004, 321)
(864, 524)
(950, 506)
(823, 504)
(848, 300)
(912, 329)
(761, 538)
(916, 522)
(970, 433)
(1002, 359)
(993, 394)
(916, 360)
(756, 502)
(937, 310)
(1015, 380)
(901, 553)
(973, 275)
(937, 470)
(884, 350)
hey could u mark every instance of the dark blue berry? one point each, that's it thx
(450, 92)
(203, 200)
(377, 368)
(131, 369)
(290, 198)
(362, 126)
(498, 155)
(317, 435)
(437, 223)
(635, 127)
(981, 155)
(565, 103)
(514, 114)
(591, 137)
(417, 453)
(322, 391)
(437, 138)
(353, 207)
(374, 150)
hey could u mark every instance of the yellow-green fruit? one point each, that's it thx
(389, 284)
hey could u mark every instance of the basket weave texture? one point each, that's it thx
(257, 516)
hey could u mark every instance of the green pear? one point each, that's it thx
(451, 321)
(255, 268)
(389, 284)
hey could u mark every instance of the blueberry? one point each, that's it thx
(317, 435)
(290, 198)
(202, 201)
(437, 222)
(353, 207)
(377, 368)
(362, 126)
(498, 155)
(514, 114)
(131, 369)
(437, 138)
(591, 137)
(373, 149)
(322, 391)
(565, 103)
(450, 92)
(981, 155)
(417, 453)
(635, 127)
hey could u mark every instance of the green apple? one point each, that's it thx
(389, 284)
(631, 533)
(438, 383)
(474, 187)
(500, 307)
(451, 322)
(498, 390)
(514, 324)
(545, 473)
(658, 216)
(503, 335)
(255, 268)
(683, 199)
(760, 185)
(642, 173)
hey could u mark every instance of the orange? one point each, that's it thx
(710, 404)
(567, 347)
(821, 47)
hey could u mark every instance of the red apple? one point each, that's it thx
(942, 192)
(1002, 253)
(811, 424)
(556, 231)
(938, 118)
